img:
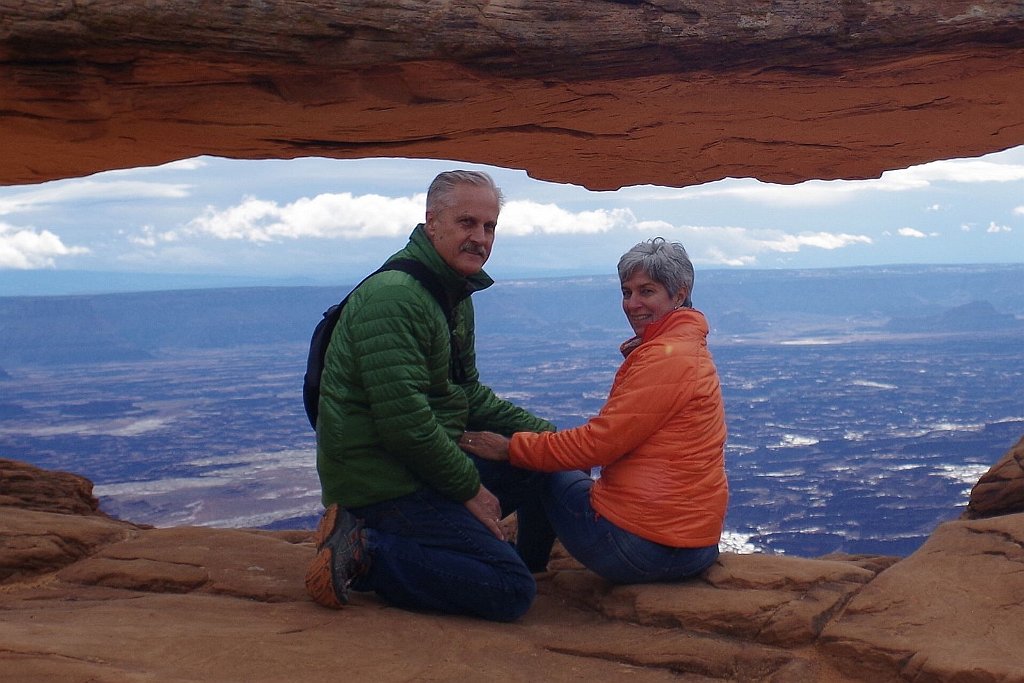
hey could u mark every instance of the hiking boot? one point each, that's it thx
(340, 558)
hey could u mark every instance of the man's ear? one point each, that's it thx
(429, 223)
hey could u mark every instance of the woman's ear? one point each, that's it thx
(682, 299)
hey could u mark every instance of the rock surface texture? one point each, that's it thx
(88, 598)
(1000, 491)
(595, 92)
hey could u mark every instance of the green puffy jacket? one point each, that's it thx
(390, 418)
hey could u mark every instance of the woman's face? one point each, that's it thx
(644, 300)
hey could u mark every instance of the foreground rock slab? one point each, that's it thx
(945, 613)
(1000, 491)
(199, 604)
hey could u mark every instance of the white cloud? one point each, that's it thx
(810, 193)
(326, 215)
(525, 218)
(347, 216)
(193, 164)
(183, 258)
(28, 249)
(736, 246)
(149, 237)
(89, 191)
(787, 243)
(830, 192)
(352, 217)
(911, 232)
(1019, 211)
(993, 227)
(712, 255)
(963, 171)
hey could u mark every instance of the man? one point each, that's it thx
(410, 515)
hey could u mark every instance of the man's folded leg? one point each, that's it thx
(430, 553)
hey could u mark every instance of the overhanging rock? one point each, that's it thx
(603, 94)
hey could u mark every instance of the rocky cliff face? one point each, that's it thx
(87, 597)
(596, 92)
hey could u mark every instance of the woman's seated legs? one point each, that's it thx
(605, 549)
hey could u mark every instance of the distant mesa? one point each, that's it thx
(735, 322)
(977, 316)
(137, 325)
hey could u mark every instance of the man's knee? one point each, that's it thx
(514, 601)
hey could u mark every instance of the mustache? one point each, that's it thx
(473, 249)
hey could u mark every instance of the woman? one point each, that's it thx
(656, 512)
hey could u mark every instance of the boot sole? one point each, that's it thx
(320, 581)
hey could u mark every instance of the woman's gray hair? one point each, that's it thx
(440, 190)
(665, 262)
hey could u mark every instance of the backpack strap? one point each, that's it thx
(325, 329)
(430, 282)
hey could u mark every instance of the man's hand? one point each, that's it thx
(486, 445)
(485, 507)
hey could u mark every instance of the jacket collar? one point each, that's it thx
(677, 319)
(422, 249)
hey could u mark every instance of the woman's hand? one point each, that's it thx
(486, 445)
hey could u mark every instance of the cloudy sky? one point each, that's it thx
(329, 221)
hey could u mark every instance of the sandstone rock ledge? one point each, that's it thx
(88, 598)
(601, 94)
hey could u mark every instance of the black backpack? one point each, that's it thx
(325, 328)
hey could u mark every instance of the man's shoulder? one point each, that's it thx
(387, 287)
(388, 294)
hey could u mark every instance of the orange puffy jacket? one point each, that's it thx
(660, 439)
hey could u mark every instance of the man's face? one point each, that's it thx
(463, 232)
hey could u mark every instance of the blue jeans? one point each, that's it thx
(428, 552)
(613, 553)
(520, 491)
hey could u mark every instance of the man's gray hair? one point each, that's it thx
(665, 262)
(440, 191)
